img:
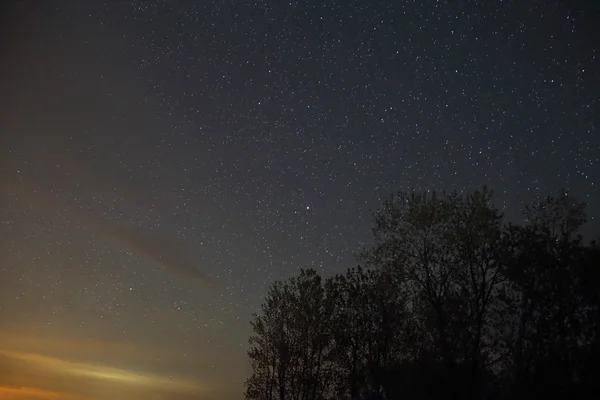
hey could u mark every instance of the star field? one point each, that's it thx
(163, 162)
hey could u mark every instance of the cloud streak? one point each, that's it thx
(165, 250)
(162, 249)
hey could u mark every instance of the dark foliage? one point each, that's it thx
(449, 303)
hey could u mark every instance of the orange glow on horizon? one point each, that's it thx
(101, 372)
(26, 393)
(61, 368)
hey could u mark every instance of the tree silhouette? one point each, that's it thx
(449, 303)
(370, 328)
(548, 265)
(445, 250)
(290, 341)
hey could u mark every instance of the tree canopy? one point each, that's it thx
(449, 301)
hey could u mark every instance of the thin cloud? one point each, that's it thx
(166, 251)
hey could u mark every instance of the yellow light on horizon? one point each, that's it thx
(101, 372)
(22, 392)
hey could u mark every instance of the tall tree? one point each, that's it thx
(549, 269)
(350, 331)
(370, 333)
(443, 248)
(270, 346)
(290, 341)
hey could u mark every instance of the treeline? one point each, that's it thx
(449, 302)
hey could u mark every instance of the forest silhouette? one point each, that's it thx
(450, 301)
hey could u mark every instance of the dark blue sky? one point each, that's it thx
(164, 161)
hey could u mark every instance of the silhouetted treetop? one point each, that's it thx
(449, 302)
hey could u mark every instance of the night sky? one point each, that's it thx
(163, 162)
